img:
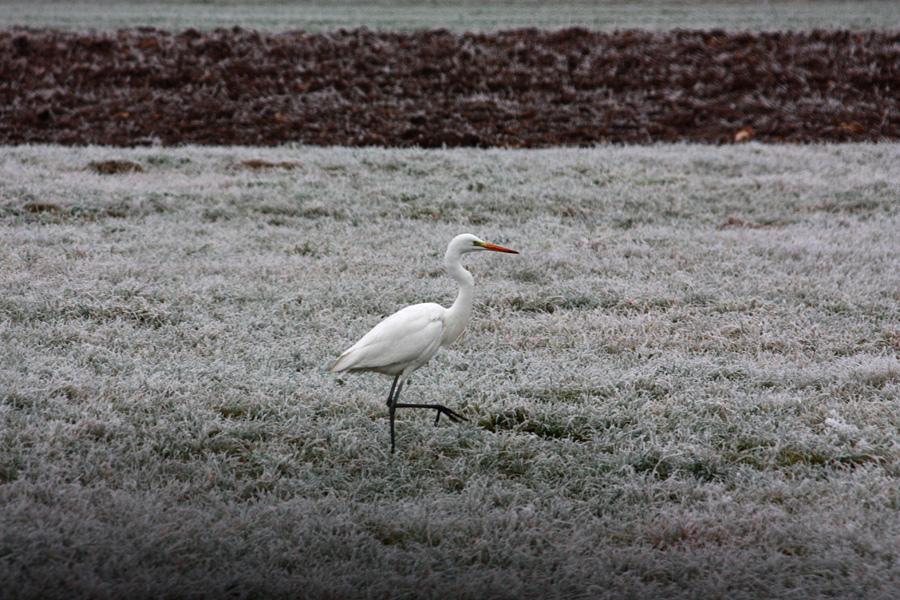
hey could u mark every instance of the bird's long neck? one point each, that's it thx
(458, 314)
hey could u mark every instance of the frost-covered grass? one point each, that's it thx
(456, 15)
(687, 385)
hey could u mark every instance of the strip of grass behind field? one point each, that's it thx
(460, 16)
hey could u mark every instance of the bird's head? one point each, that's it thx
(467, 242)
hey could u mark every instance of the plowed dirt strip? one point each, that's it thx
(524, 88)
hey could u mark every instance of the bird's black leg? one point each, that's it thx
(391, 395)
(392, 407)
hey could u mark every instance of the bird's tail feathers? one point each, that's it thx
(341, 364)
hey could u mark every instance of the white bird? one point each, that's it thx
(408, 339)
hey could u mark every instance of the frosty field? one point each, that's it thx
(687, 384)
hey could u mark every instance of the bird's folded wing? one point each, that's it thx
(408, 338)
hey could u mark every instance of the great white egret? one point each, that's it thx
(408, 339)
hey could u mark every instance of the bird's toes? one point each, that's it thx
(453, 416)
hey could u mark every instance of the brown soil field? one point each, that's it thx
(521, 88)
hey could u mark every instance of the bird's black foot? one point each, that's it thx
(454, 417)
(441, 410)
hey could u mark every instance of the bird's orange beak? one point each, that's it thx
(496, 248)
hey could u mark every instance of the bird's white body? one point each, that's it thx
(410, 337)
(423, 329)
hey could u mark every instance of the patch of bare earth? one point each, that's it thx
(523, 88)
